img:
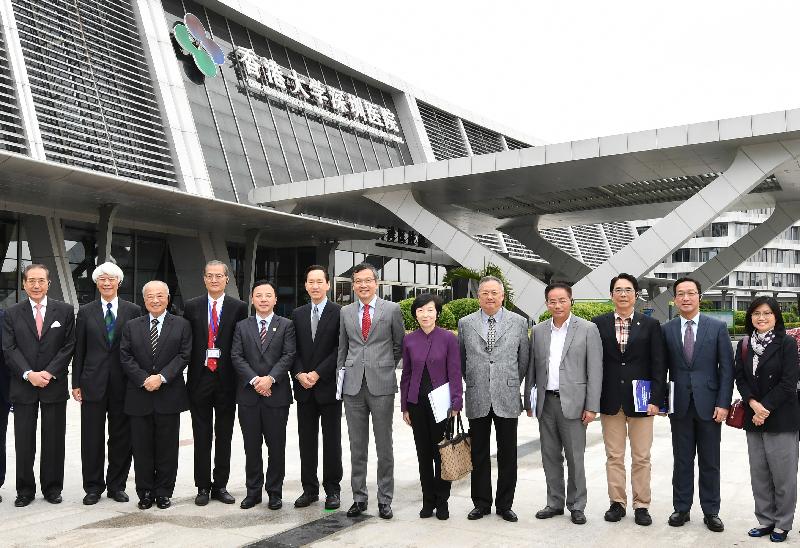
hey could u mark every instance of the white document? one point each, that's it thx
(339, 383)
(533, 399)
(440, 402)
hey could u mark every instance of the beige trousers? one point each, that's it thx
(616, 428)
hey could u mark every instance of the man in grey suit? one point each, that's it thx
(371, 335)
(494, 358)
(566, 371)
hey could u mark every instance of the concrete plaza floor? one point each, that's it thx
(113, 524)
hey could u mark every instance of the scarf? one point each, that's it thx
(759, 343)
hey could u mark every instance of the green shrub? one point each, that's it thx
(587, 310)
(445, 320)
(462, 307)
(739, 317)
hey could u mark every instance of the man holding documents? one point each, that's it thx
(633, 353)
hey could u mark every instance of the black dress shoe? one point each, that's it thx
(119, 496)
(642, 517)
(756, 532)
(477, 513)
(275, 502)
(305, 500)
(248, 502)
(202, 497)
(91, 498)
(442, 511)
(163, 502)
(677, 519)
(53, 498)
(357, 509)
(385, 511)
(577, 517)
(615, 512)
(332, 501)
(507, 515)
(222, 496)
(713, 523)
(426, 512)
(22, 500)
(145, 503)
(549, 512)
(778, 537)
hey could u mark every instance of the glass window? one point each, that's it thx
(406, 271)
(421, 274)
(353, 151)
(368, 153)
(390, 272)
(288, 141)
(339, 152)
(320, 140)
(301, 131)
(719, 229)
(81, 248)
(343, 263)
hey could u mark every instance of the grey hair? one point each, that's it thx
(215, 262)
(144, 288)
(365, 266)
(491, 279)
(109, 269)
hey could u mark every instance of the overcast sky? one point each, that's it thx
(562, 70)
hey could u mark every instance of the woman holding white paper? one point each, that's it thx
(431, 360)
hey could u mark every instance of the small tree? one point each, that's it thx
(474, 276)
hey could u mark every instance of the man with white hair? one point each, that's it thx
(154, 352)
(98, 384)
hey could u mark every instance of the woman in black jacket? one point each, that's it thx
(766, 376)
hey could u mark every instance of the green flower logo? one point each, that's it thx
(191, 35)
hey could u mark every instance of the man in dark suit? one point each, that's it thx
(212, 382)
(262, 355)
(5, 406)
(154, 352)
(38, 341)
(98, 383)
(633, 349)
(700, 361)
(316, 327)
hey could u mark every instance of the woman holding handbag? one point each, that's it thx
(431, 359)
(766, 376)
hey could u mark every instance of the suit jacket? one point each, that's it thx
(643, 360)
(773, 385)
(376, 358)
(438, 352)
(709, 376)
(251, 359)
(25, 351)
(493, 379)
(5, 379)
(319, 354)
(580, 373)
(95, 367)
(138, 361)
(196, 312)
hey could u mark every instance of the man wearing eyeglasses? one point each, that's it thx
(633, 350)
(700, 362)
(494, 359)
(212, 382)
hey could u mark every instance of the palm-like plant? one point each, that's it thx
(474, 276)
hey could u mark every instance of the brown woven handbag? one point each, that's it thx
(455, 451)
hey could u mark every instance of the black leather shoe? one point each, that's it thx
(332, 501)
(163, 502)
(248, 502)
(53, 498)
(507, 515)
(426, 512)
(22, 500)
(91, 498)
(677, 519)
(577, 517)
(305, 500)
(615, 512)
(778, 537)
(145, 503)
(202, 497)
(385, 511)
(357, 509)
(442, 512)
(713, 523)
(477, 513)
(549, 512)
(275, 502)
(756, 532)
(222, 496)
(119, 496)
(642, 517)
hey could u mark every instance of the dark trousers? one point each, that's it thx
(268, 423)
(3, 428)
(155, 453)
(309, 415)
(506, 435)
(427, 435)
(691, 435)
(51, 464)
(207, 399)
(93, 438)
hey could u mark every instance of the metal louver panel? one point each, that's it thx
(513, 144)
(443, 132)
(12, 136)
(482, 140)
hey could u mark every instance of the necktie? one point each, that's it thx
(314, 321)
(366, 321)
(39, 320)
(110, 321)
(263, 332)
(688, 341)
(212, 335)
(491, 334)
(154, 335)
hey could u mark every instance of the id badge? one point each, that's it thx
(213, 353)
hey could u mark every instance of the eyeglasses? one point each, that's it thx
(36, 281)
(104, 279)
(690, 294)
(490, 293)
(562, 302)
(762, 314)
(624, 291)
(365, 281)
(214, 276)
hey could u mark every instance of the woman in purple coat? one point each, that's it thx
(431, 359)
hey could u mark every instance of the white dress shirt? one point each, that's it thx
(371, 306)
(558, 336)
(159, 325)
(684, 321)
(258, 326)
(320, 307)
(211, 301)
(114, 306)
